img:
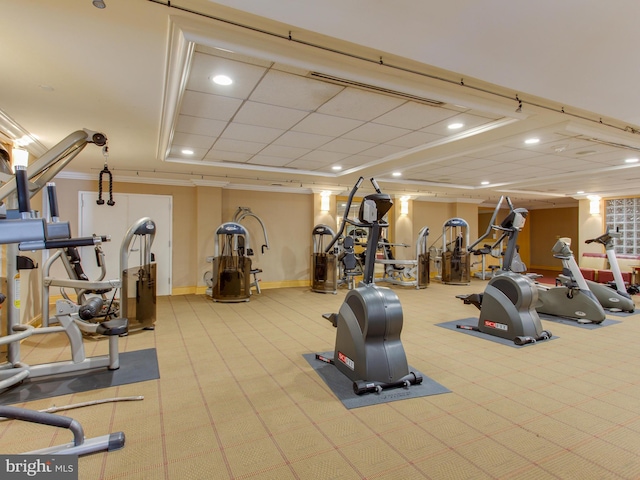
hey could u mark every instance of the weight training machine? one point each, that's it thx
(324, 268)
(455, 257)
(368, 349)
(230, 277)
(137, 284)
(408, 273)
(33, 233)
(241, 214)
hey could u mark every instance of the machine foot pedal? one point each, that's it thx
(332, 317)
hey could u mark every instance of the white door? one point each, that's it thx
(114, 221)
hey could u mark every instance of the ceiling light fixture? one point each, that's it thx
(99, 4)
(532, 141)
(484, 183)
(337, 168)
(19, 156)
(631, 160)
(222, 80)
(187, 151)
(455, 126)
(396, 174)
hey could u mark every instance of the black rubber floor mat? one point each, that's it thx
(137, 366)
(342, 387)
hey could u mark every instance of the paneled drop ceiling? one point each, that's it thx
(274, 116)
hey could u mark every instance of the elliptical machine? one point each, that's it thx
(507, 306)
(368, 348)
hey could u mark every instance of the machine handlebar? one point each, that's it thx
(604, 238)
(345, 219)
(375, 185)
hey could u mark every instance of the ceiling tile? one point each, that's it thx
(359, 104)
(320, 156)
(195, 141)
(216, 107)
(284, 152)
(329, 125)
(343, 145)
(229, 145)
(200, 126)
(381, 151)
(176, 152)
(302, 140)
(357, 160)
(252, 113)
(292, 91)
(221, 155)
(414, 116)
(414, 139)
(374, 132)
(251, 133)
(204, 67)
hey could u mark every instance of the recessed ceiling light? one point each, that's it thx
(336, 168)
(484, 183)
(187, 151)
(396, 174)
(532, 141)
(580, 192)
(631, 160)
(222, 80)
(455, 126)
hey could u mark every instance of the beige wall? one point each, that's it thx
(197, 213)
(288, 219)
(546, 226)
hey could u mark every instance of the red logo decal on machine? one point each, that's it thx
(496, 325)
(346, 360)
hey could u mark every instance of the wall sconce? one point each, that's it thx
(19, 156)
(325, 196)
(404, 205)
(594, 204)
